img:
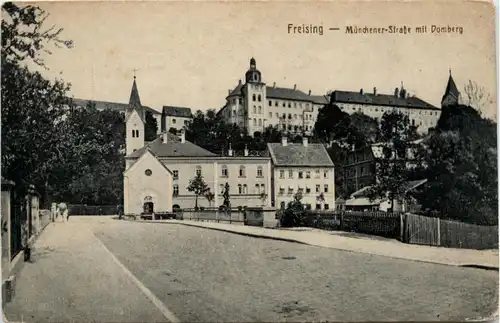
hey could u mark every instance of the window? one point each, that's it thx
(148, 172)
(275, 103)
(318, 188)
(240, 189)
(325, 174)
(282, 190)
(289, 105)
(327, 206)
(176, 190)
(133, 133)
(260, 122)
(259, 171)
(254, 122)
(253, 97)
(326, 188)
(242, 171)
(290, 174)
(257, 188)
(224, 172)
(301, 174)
(282, 174)
(198, 170)
(295, 104)
(318, 206)
(245, 189)
(221, 187)
(240, 100)
(176, 174)
(270, 103)
(284, 105)
(308, 174)
(290, 190)
(270, 114)
(317, 173)
(260, 109)
(174, 121)
(137, 133)
(262, 188)
(308, 190)
(282, 205)
(254, 109)
(260, 98)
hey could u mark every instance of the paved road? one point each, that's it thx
(205, 275)
(200, 275)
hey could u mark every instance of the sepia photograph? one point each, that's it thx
(236, 161)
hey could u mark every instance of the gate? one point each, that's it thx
(422, 230)
(19, 216)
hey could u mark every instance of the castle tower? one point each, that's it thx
(254, 93)
(451, 95)
(134, 122)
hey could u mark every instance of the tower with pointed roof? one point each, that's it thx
(451, 94)
(134, 121)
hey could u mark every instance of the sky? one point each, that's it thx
(190, 54)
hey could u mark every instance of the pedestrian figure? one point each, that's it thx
(120, 212)
(63, 211)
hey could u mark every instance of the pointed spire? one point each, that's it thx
(135, 100)
(451, 94)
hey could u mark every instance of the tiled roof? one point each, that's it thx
(299, 155)
(173, 148)
(380, 99)
(288, 94)
(172, 111)
(236, 91)
(320, 99)
(105, 105)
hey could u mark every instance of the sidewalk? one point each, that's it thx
(487, 259)
(72, 278)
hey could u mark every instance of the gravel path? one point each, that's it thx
(209, 276)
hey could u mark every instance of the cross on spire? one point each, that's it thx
(135, 70)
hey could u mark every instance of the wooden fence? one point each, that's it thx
(424, 230)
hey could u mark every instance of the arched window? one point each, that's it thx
(255, 77)
(253, 97)
(133, 133)
(260, 109)
(245, 189)
(137, 133)
(240, 189)
(224, 172)
(260, 122)
(242, 171)
(259, 171)
(260, 98)
(254, 122)
(282, 204)
(254, 109)
(198, 170)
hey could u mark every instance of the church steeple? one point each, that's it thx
(134, 102)
(451, 95)
(134, 121)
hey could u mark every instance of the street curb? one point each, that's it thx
(255, 235)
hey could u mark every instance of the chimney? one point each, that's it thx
(229, 151)
(396, 92)
(164, 137)
(284, 141)
(361, 91)
(274, 85)
(309, 92)
(374, 91)
(183, 136)
(228, 91)
(295, 87)
(246, 151)
(239, 82)
(305, 141)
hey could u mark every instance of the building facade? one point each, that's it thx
(255, 106)
(302, 168)
(175, 117)
(421, 114)
(157, 174)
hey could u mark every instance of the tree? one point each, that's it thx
(210, 197)
(367, 126)
(293, 215)
(151, 127)
(23, 36)
(476, 96)
(173, 131)
(320, 198)
(392, 165)
(198, 186)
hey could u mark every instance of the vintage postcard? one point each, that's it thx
(215, 161)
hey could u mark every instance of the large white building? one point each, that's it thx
(254, 105)
(158, 173)
(304, 168)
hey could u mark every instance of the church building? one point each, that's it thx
(157, 174)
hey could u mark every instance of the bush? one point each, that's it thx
(294, 215)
